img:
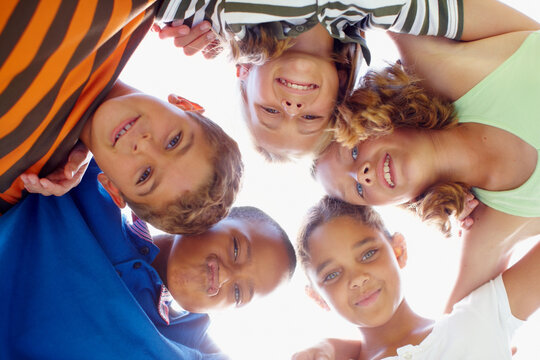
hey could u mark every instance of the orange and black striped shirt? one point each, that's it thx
(58, 60)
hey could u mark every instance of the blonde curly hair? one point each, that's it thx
(390, 99)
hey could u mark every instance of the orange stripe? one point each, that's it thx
(23, 53)
(6, 8)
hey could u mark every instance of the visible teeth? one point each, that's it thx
(297, 86)
(386, 169)
(124, 130)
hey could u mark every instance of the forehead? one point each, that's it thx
(331, 170)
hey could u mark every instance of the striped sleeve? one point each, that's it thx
(59, 58)
(431, 17)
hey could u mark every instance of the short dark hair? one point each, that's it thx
(194, 212)
(329, 208)
(251, 213)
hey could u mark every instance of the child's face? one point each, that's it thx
(151, 151)
(354, 268)
(390, 169)
(227, 266)
(289, 101)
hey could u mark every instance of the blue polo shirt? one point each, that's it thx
(77, 284)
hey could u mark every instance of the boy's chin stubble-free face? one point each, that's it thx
(231, 264)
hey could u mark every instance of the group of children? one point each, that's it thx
(179, 171)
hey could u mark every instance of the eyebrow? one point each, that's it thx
(181, 152)
(356, 245)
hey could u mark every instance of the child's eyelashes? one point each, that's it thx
(144, 176)
(237, 295)
(270, 110)
(368, 255)
(311, 117)
(235, 248)
(354, 153)
(328, 278)
(174, 141)
(359, 189)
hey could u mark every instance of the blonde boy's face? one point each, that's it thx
(289, 101)
(354, 269)
(227, 266)
(150, 151)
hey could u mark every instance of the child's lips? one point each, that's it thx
(296, 87)
(368, 298)
(212, 273)
(122, 129)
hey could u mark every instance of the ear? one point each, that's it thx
(185, 104)
(310, 292)
(400, 249)
(113, 191)
(242, 71)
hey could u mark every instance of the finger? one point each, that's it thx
(155, 28)
(212, 50)
(199, 44)
(175, 31)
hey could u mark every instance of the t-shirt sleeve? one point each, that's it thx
(431, 17)
(489, 305)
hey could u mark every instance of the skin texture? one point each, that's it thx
(151, 158)
(188, 263)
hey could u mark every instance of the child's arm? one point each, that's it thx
(522, 285)
(331, 349)
(452, 68)
(62, 179)
(192, 40)
(485, 18)
(486, 248)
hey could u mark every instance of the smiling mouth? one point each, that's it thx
(387, 174)
(368, 298)
(123, 129)
(297, 86)
(212, 273)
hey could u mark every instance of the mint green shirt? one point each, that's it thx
(509, 98)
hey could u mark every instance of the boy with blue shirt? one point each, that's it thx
(79, 281)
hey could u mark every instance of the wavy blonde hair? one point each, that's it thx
(390, 99)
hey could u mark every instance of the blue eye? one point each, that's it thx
(331, 276)
(235, 248)
(311, 117)
(270, 110)
(236, 294)
(174, 141)
(369, 254)
(354, 153)
(144, 176)
(359, 189)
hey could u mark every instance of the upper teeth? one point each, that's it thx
(124, 130)
(297, 86)
(387, 176)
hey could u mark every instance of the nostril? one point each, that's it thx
(368, 181)
(299, 105)
(366, 169)
(288, 103)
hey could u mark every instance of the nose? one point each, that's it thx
(358, 280)
(292, 107)
(365, 174)
(142, 142)
(225, 274)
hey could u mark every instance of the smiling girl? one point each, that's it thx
(416, 153)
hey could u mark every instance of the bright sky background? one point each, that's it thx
(287, 320)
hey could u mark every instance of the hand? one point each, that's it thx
(193, 40)
(465, 220)
(322, 351)
(62, 179)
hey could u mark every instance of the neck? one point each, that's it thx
(405, 327)
(118, 89)
(164, 243)
(458, 156)
(315, 41)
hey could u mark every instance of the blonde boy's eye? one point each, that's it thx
(235, 248)
(311, 117)
(369, 254)
(354, 153)
(174, 141)
(144, 176)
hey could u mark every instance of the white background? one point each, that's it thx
(287, 320)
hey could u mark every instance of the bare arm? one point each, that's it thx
(487, 247)
(452, 68)
(485, 18)
(331, 349)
